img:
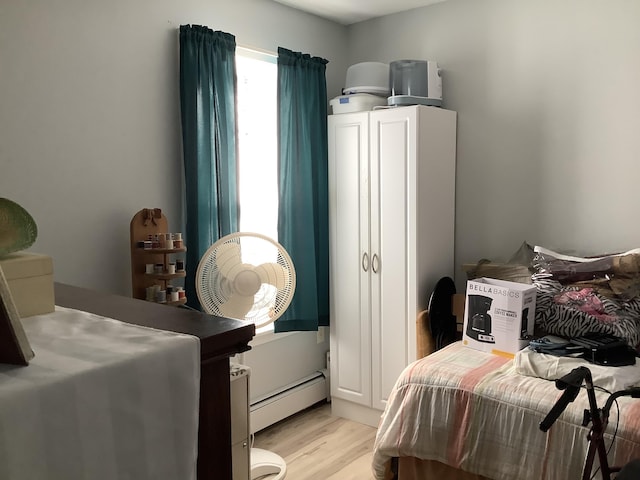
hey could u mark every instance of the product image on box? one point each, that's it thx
(525, 323)
(479, 326)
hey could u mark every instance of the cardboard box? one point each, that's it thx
(498, 314)
(30, 279)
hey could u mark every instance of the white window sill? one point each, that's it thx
(266, 334)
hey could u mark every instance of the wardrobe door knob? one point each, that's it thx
(375, 263)
(365, 262)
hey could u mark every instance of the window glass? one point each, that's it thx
(257, 142)
(257, 146)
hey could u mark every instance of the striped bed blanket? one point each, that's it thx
(472, 411)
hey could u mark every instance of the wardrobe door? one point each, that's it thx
(350, 259)
(393, 154)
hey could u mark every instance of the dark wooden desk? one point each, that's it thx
(220, 338)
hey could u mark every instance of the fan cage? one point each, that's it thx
(215, 290)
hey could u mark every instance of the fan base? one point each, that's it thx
(264, 462)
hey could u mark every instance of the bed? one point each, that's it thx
(465, 414)
(462, 414)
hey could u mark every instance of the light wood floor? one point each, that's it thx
(318, 446)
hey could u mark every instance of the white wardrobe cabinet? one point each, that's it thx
(391, 216)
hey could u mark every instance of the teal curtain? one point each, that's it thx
(208, 114)
(303, 217)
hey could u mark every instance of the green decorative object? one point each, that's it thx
(18, 230)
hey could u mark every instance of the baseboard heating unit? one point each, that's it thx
(290, 399)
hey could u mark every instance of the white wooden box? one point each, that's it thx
(30, 279)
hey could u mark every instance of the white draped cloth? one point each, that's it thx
(101, 400)
(550, 367)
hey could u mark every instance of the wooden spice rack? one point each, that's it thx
(150, 222)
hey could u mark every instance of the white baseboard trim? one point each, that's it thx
(287, 402)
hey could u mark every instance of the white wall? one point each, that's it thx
(90, 114)
(549, 114)
(90, 128)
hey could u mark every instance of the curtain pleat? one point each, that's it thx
(208, 114)
(303, 217)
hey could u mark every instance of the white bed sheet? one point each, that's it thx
(101, 400)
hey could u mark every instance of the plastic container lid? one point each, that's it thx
(368, 77)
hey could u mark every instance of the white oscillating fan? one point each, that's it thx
(248, 276)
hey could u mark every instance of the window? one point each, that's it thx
(257, 141)
(257, 75)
